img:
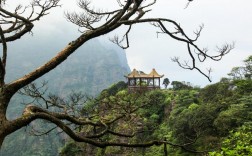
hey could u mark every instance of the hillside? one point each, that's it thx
(182, 120)
(196, 119)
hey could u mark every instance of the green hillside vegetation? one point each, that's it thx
(215, 120)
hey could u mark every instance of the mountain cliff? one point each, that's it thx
(94, 67)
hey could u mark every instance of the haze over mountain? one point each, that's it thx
(94, 67)
(90, 66)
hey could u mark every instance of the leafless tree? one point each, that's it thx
(19, 22)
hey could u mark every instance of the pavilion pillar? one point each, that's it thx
(159, 82)
(153, 82)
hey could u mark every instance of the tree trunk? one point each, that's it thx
(4, 101)
(2, 127)
(165, 149)
(1, 142)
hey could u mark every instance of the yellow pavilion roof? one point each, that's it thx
(140, 74)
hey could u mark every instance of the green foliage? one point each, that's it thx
(238, 143)
(155, 111)
(166, 82)
(180, 85)
(155, 150)
(246, 111)
(216, 92)
(248, 67)
(186, 97)
(115, 88)
(210, 114)
(243, 86)
(193, 106)
(228, 119)
(147, 118)
(237, 73)
(243, 72)
(193, 121)
(70, 148)
(181, 115)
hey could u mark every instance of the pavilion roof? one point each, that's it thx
(154, 73)
(136, 74)
(140, 74)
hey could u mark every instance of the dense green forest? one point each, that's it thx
(214, 120)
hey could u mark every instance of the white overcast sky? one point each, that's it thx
(224, 21)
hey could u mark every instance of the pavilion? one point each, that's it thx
(139, 81)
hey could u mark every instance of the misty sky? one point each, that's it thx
(225, 21)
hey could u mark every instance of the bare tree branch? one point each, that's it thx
(202, 53)
(44, 115)
(4, 57)
(125, 36)
(66, 114)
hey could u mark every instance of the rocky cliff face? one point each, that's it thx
(94, 67)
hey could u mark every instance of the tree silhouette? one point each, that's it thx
(95, 22)
(166, 82)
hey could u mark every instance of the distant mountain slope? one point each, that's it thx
(94, 67)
